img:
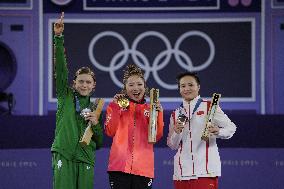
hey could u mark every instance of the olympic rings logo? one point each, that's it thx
(159, 62)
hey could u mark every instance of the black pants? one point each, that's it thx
(120, 180)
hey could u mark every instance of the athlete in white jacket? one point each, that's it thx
(197, 163)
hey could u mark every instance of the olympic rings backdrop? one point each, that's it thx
(220, 51)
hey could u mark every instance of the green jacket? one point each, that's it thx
(70, 126)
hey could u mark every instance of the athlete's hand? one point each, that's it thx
(92, 118)
(213, 129)
(179, 126)
(159, 107)
(58, 27)
(116, 97)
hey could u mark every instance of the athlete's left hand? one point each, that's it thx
(159, 107)
(213, 129)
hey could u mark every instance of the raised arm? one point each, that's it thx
(60, 64)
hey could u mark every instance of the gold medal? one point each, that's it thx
(123, 102)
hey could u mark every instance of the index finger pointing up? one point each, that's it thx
(62, 16)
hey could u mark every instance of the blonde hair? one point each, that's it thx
(85, 70)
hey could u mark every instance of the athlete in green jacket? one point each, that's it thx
(73, 164)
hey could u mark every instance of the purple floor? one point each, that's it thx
(242, 168)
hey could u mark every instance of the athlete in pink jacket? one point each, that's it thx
(131, 160)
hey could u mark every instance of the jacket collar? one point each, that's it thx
(190, 104)
(143, 101)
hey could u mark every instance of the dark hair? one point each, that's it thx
(85, 70)
(133, 69)
(192, 74)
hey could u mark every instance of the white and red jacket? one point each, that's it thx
(130, 151)
(195, 157)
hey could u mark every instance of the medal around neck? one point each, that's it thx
(182, 118)
(123, 102)
(85, 112)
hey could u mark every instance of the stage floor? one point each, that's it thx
(242, 168)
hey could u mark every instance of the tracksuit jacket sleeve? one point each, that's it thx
(98, 133)
(60, 65)
(227, 127)
(112, 119)
(174, 139)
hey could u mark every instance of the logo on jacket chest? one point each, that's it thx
(146, 113)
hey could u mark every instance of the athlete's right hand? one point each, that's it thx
(116, 97)
(178, 127)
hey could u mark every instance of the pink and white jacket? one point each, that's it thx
(195, 157)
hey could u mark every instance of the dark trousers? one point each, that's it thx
(120, 180)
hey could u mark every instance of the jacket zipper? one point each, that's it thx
(133, 138)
